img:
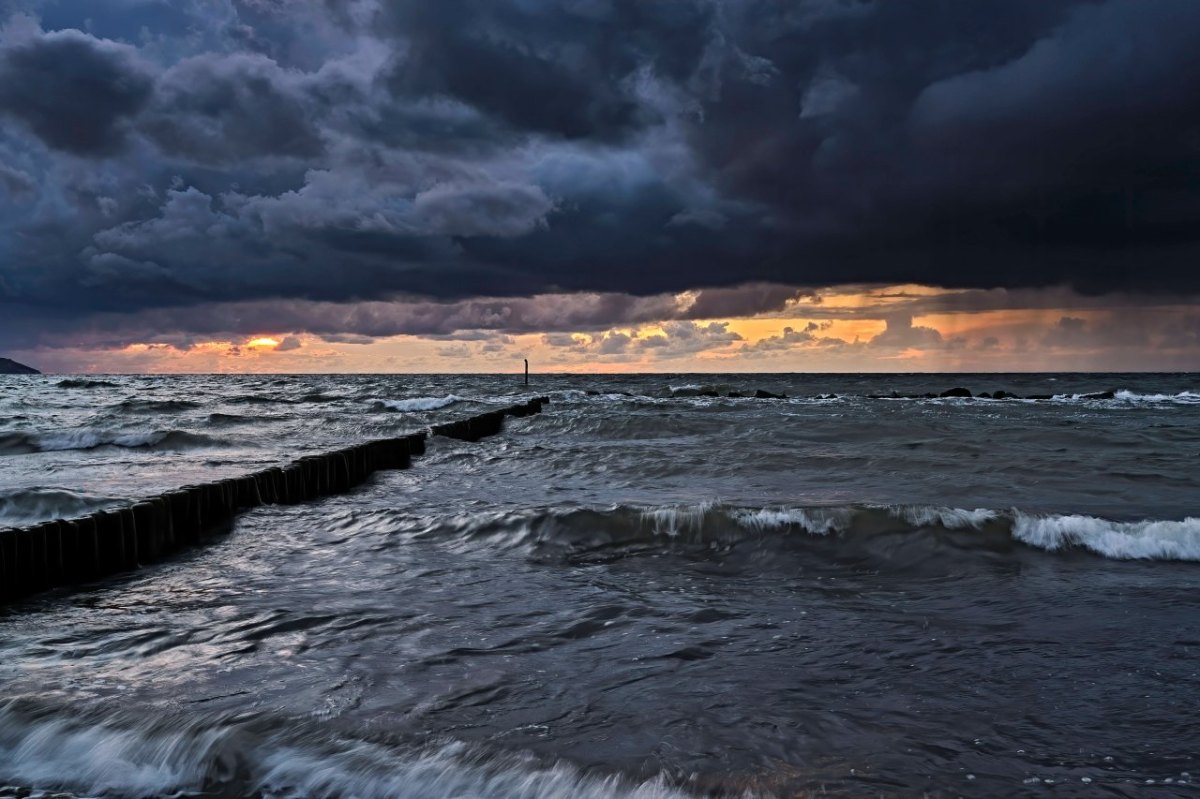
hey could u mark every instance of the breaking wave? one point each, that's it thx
(574, 531)
(1182, 398)
(25, 506)
(418, 403)
(73, 382)
(93, 755)
(87, 438)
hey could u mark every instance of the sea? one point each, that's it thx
(651, 589)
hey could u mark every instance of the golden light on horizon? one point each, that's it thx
(838, 332)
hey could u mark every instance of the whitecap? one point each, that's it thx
(816, 521)
(163, 759)
(948, 518)
(1145, 540)
(421, 403)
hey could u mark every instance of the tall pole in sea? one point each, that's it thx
(526, 371)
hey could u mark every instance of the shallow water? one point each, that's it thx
(647, 595)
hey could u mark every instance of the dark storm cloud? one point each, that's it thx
(276, 151)
(564, 68)
(224, 109)
(359, 323)
(76, 92)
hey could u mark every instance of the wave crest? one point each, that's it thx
(1144, 540)
(87, 438)
(418, 403)
(622, 529)
(72, 382)
(23, 506)
(118, 754)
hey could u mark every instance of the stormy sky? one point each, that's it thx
(606, 182)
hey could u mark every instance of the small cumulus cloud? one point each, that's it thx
(902, 334)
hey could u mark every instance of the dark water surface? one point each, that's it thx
(632, 594)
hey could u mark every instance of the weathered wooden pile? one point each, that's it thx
(71, 551)
(487, 424)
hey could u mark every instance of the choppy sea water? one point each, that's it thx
(637, 593)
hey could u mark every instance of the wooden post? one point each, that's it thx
(526, 371)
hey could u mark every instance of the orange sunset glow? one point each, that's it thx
(882, 328)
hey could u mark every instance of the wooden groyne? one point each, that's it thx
(67, 552)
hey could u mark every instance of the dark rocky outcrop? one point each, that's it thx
(1099, 395)
(760, 394)
(956, 392)
(10, 367)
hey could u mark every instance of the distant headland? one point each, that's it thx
(10, 367)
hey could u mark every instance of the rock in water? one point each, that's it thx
(956, 392)
(760, 394)
(11, 367)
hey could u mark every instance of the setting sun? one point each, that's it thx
(265, 341)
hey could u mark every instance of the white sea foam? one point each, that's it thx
(1126, 398)
(1182, 398)
(446, 772)
(817, 521)
(100, 759)
(675, 520)
(1144, 540)
(949, 518)
(422, 403)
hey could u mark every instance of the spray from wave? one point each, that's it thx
(47, 750)
(418, 403)
(1182, 398)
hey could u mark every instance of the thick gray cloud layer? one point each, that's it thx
(158, 156)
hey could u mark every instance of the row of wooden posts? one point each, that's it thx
(73, 551)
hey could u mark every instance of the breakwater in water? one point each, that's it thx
(66, 552)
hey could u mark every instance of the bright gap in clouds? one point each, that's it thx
(849, 329)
